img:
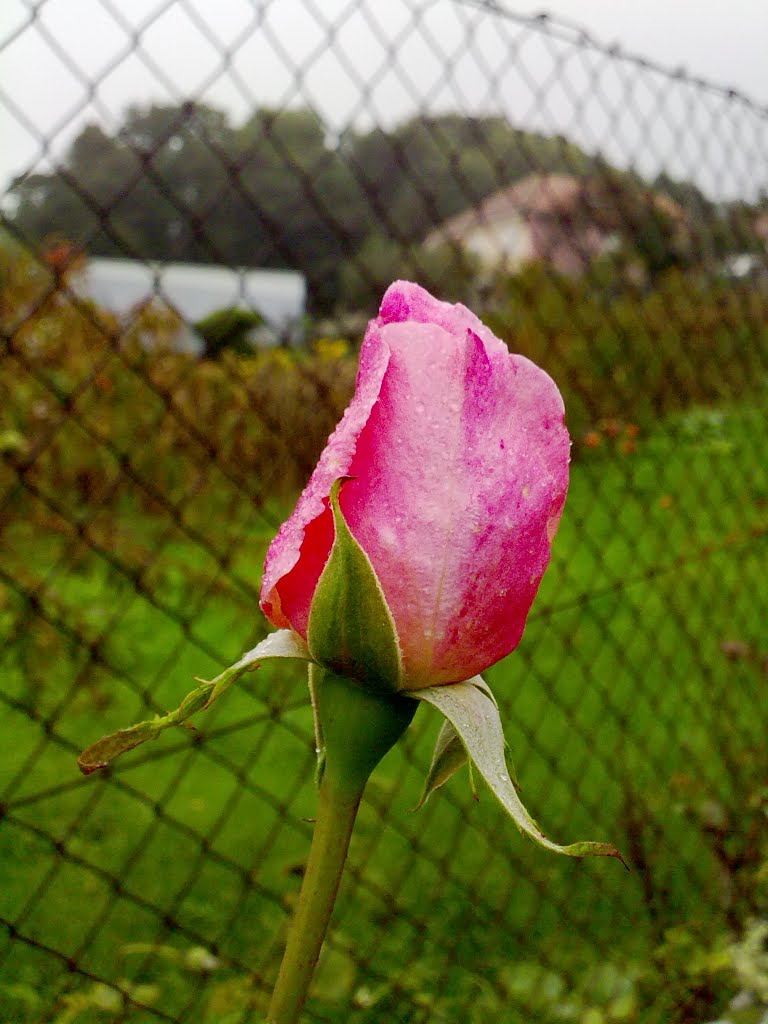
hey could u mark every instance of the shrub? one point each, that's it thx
(623, 353)
(230, 329)
(85, 398)
(89, 405)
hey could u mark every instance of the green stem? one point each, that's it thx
(336, 815)
(358, 727)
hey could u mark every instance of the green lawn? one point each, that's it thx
(635, 710)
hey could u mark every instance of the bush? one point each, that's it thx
(623, 353)
(87, 402)
(230, 329)
(84, 397)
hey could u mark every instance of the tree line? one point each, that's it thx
(182, 182)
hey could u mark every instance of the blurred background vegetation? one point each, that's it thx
(278, 191)
(141, 482)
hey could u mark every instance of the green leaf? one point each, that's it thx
(449, 755)
(282, 644)
(105, 750)
(351, 630)
(475, 718)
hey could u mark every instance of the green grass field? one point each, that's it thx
(635, 710)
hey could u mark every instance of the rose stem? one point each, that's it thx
(356, 728)
(336, 813)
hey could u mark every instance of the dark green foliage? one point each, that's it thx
(633, 354)
(431, 167)
(363, 279)
(228, 329)
(182, 183)
(262, 419)
(140, 490)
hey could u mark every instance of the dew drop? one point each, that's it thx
(388, 536)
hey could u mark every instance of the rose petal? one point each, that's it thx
(459, 471)
(459, 455)
(406, 301)
(298, 553)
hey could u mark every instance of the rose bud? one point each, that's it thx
(456, 454)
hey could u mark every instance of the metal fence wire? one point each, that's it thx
(607, 218)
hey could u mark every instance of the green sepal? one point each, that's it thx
(449, 755)
(472, 712)
(351, 631)
(282, 644)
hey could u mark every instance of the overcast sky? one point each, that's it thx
(66, 62)
(725, 41)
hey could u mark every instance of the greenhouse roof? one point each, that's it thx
(194, 290)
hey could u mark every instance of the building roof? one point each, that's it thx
(760, 226)
(556, 196)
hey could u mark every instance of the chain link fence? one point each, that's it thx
(159, 415)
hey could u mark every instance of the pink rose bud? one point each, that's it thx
(458, 454)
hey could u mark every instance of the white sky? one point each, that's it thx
(65, 62)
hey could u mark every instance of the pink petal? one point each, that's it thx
(298, 553)
(406, 301)
(461, 470)
(460, 459)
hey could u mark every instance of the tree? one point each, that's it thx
(228, 329)
(379, 261)
(432, 167)
(181, 182)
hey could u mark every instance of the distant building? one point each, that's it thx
(195, 291)
(751, 263)
(561, 220)
(760, 228)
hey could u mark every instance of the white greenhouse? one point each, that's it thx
(196, 290)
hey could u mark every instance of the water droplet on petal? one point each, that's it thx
(387, 536)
